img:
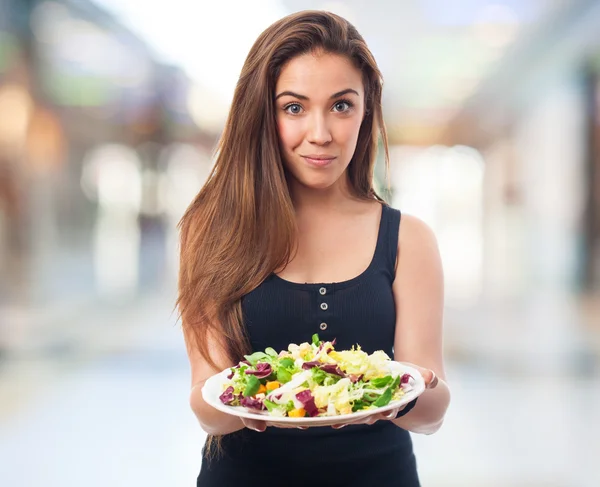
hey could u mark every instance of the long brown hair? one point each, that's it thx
(241, 228)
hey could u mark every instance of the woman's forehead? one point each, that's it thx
(319, 74)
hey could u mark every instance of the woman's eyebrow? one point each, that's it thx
(304, 97)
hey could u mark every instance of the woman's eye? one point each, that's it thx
(293, 108)
(342, 106)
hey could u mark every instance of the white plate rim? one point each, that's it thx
(212, 389)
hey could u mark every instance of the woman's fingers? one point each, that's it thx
(261, 426)
(255, 425)
(391, 414)
(433, 382)
(429, 376)
(286, 426)
(372, 419)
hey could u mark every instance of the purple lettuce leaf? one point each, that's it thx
(329, 368)
(227, 397)
(251, 403)
(310, 365)
(262, 370)
(232, 369)
(355, 378)
(308, 402)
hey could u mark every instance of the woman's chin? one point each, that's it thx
(318, 184)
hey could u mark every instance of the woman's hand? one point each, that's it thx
(431, 381)
(260, 425)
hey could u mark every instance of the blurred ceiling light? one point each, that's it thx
(47, 20)
(461, 169)
(15, 113)
(207, 110)
(496, 25)
(91, 49)
(186, 170)
(112, 176)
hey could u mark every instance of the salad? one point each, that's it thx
(314, 379)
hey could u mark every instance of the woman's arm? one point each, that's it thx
(211, 420)
(419, 297)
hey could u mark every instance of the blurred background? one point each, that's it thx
(109, 112)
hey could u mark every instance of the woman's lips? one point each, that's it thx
(318, 161)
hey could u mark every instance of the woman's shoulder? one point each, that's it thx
(418, 252)
(415, 234)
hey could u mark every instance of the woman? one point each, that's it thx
(288, 238)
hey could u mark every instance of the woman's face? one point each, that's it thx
(320, 106)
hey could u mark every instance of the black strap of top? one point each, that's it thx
(392, 217)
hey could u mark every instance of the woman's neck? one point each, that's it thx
(307, 200)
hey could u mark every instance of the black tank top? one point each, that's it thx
(358, 311)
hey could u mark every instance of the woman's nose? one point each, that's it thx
(318, 130)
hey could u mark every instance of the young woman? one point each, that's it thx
(288, 238)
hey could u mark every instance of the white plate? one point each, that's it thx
(213, 388)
